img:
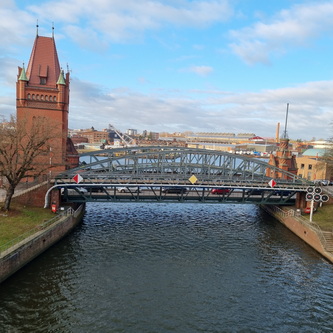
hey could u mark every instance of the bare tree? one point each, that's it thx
(24, 151)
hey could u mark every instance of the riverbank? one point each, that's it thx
(43, 237)
(320, 240)
(20, 222)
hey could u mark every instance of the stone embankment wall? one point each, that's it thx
(22, 253)
(308, 232)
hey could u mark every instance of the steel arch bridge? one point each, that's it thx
(174, 164)
(175, 174)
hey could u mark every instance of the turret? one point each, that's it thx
(21, 85)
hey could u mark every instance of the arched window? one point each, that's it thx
(33, 96)
(54, 98)
(29, 96)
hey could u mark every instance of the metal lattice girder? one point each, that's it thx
(165, 165)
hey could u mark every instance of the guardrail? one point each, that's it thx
(69, 212)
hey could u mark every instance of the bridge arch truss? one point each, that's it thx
(170, 165)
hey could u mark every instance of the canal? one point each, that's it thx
(172, 268)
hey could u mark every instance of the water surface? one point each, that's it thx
(172, 268)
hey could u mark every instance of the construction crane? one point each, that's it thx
(125, 139)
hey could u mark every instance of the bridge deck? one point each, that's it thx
(178, 194)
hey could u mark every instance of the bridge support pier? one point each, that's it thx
(55, 199)
(300, 200)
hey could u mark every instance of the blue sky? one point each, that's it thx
(183, 65)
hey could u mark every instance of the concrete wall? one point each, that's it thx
(300, 229)
(22, 253)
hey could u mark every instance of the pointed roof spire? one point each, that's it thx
(23, 75)
(61, 79)
(37, 28)
(52, 29)
(43, 62)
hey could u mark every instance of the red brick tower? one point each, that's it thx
(284, 160)
(43, 91)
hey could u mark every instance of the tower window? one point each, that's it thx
(43, 80)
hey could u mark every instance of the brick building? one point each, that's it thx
(284, 159)
(94, 136)
(42, 90)
(311, 166)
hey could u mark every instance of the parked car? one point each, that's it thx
(81, 190)
(322, 182)
(174, 189)
(307, 210)
(128, 189)
(95, 189)
(254, 191)
(220, 191)
(282, 193)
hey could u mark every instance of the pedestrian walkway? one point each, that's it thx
(20, 189)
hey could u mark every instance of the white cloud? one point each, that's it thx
(13, 25)
(296, 26)
(310, 110)
(116, 20)
(201, 70)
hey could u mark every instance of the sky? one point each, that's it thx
(182, 65)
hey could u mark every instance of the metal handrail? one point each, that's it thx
(291, 213)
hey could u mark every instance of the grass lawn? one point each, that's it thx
(20, 220)
(323, 217)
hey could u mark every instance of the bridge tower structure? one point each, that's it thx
(283, 159)
(42, 90)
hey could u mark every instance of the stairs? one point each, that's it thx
(329, 241)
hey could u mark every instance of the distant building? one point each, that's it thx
(222, 138)
(132, 132)
(311, 166)
(322, 144)
(94, 136)
(77, 139)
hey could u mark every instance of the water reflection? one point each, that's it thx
(172, 268)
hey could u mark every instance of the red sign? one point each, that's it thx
(272, 183)
(77, 178)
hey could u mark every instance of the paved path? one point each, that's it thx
(19, 189)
